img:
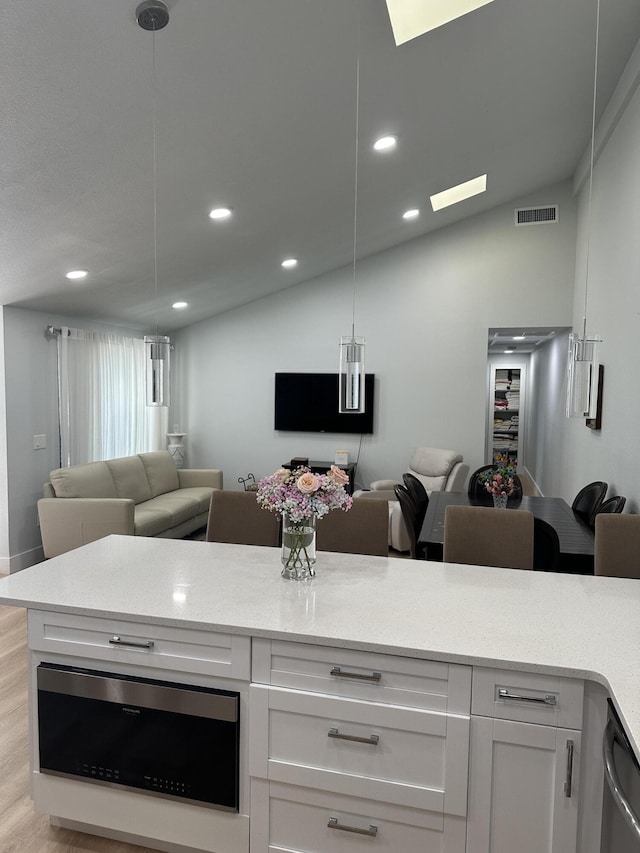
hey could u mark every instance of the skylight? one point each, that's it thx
(412, 18)
(459, 193)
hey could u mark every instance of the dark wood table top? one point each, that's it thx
(575, 537)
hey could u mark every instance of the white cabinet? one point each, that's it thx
(524, 772)
(348, 745)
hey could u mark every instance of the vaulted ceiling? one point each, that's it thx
(255, 109)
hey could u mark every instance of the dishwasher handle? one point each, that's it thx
(611, 775)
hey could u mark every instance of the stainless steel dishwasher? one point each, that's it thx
(621, 814)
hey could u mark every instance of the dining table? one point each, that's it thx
(576, 537)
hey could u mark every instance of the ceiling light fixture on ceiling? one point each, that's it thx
(289, 263)
(518, 337)
(179, 305)
(411, 214)
(385, 143)
(508, 350)
(152, 15)
(582, 361)
(77, 274)
(459, 193)
(351, 375)
(413, 18)
(220, 213)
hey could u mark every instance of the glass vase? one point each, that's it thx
(298, 547)
(500, 501)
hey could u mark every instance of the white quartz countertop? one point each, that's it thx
(574, 625)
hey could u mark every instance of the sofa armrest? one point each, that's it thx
(383, 484)
(377, 495)
(191, 477)
(457, 477)
(67, 523)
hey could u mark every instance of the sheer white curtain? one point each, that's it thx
(101, 398)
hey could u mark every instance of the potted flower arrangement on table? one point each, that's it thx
(499, 482)
(300, 498)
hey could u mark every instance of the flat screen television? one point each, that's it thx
(308, 402)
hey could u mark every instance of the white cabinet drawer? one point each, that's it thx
(115, 642)
(528, 697)
(383, 752)
(369, 676)
(299, 820)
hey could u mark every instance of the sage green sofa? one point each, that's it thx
(142, 495)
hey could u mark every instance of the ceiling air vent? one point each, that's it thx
(536, 215)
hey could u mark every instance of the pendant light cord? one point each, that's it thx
(155, 175)
(355, 187)
(593, 135)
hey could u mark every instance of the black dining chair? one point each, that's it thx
(413, 517)
(418, 492)
(588, 500)
(478, 494)
(546, 547)
(611, 505)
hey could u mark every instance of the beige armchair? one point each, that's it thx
(438, 470)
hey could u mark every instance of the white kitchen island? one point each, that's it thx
(444, 637)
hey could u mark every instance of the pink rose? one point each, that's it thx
(308, 483)
(337, 475)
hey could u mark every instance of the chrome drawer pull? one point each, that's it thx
(375, 676)
(569, 778)
(118, 641)
(549, 699)
(371, 832)
(336, 733)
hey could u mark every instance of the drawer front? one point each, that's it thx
(383, 752)
(372, 677)
(115, 642)
(300, 820)
(528, 697)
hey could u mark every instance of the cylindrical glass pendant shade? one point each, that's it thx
(582, 376)
(157, 369)
(351, 382)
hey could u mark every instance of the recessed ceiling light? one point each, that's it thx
(385, 143)
(459, 193)
(290, 263)
(220, 213)
(178, 305)
(518, 337)
(411, 214)
(509, 350)
(73, 274)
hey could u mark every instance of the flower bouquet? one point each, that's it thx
(300, 497)
(499, 482)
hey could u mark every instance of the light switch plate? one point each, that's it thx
(39, 442)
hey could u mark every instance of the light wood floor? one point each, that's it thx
(21, 829)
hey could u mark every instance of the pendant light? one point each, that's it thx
(152, 15)
(351, 396)
(582, 363)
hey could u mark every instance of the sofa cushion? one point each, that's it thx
(150, 520)
(130, 478)
(200, 494)
(162, 473)
(177, 507)
(92, 480)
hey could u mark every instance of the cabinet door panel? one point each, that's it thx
(517, 797)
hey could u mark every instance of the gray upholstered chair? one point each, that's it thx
(483, 536)
(617, 545)
(364, 529)
(236, 517)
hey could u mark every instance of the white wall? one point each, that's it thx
(4, 488)
(613, 310)
(31, 409)
(424, 307)
(547, 425)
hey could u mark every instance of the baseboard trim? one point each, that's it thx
(17, 562)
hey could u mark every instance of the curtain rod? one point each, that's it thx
(51, 332)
